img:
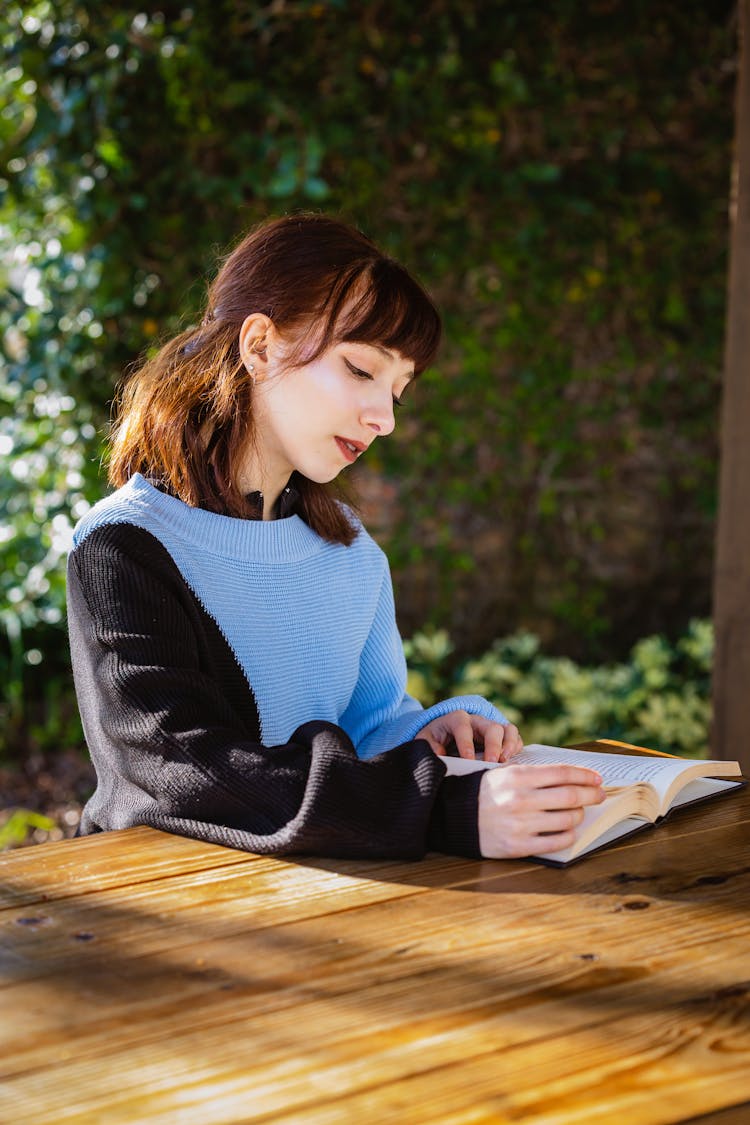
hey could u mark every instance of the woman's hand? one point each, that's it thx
(500, 741)
(527, 810)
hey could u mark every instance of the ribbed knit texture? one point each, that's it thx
(223, 668)
(311, 623)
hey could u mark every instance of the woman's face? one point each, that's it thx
(320, 418)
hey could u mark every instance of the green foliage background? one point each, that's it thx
(657, 697)
(558, 176)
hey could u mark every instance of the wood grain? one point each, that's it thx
(110, 859)
(161, 980)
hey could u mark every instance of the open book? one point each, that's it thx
(641, 790)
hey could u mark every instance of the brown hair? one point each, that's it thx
(320, 282)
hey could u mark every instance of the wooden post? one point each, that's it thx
(731, 683)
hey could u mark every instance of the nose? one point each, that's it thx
(378, 414)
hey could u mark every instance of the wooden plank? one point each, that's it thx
(267, 892)
(140, 855)
(142, 945)
(418, 1021)
(108, 859)
(271, 892)
(531, 976)
(658, 1074)
(205, 905)
(591, 951)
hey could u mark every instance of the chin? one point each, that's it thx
(321, 476)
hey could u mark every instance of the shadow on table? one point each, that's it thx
(149, 954)
(699, 855)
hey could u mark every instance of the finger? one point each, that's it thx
(567, 797)
(547, 822)
(500, 741)
(492, 736)
(537, 843)
(557, 842)
(463, 733)
(541, 777)
(519, 844)
(512, 742)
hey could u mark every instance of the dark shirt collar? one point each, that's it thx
(288, 503)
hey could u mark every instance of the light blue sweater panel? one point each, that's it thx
(311, 623)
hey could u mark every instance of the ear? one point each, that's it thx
(258, 337)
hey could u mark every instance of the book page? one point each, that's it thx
(616, 769)
(702, 787)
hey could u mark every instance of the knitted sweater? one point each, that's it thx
(240, 681)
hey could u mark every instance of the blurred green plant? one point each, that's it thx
(659, 697)
(20, 825)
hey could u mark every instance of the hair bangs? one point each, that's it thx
(391, 310)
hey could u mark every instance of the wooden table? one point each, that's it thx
(149, 978)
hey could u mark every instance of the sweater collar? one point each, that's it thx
(278, 540)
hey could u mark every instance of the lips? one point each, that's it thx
(350, 449)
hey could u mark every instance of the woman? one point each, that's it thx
(238, 668)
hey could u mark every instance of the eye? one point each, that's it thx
(399, 400)
(357, 372)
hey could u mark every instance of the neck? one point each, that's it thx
(253, 479)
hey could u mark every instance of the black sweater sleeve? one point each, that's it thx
(173, 730)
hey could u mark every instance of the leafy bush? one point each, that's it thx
(658, 698)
